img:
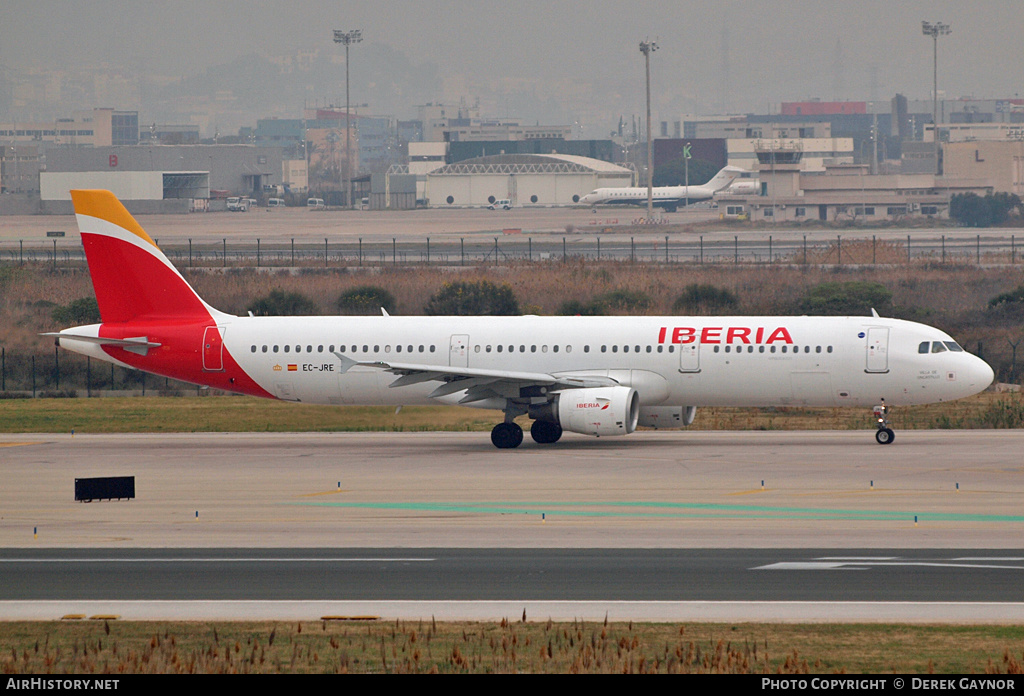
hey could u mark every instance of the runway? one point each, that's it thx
(795, 526)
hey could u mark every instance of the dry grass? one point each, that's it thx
(953, 298)
(426, 646)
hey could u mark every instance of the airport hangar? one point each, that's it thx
(523, 179)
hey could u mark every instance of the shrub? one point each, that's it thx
(1006, 298)
(81, 311)
(366, 299)
(704, 299)
(852, 298)
(473, 298)
(620, 300)
(283, 304)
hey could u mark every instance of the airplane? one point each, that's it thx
(601, 376)
(668, 197)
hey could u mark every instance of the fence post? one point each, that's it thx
(735, 249)
(54, 254)
(189, 254)
(529, 248)
(943, 248)
(360, 251)
(979, 249)
(394, 251)
(34, 376)
(666, 248)
(325, 252)
(257, 252)
(702, 250)
(632, 250)
(462, 251)
(3, 369)
(769, 250)
(224, 264)
(21, 252)
(56, 367)
(1013, 250)
(293, 252)
(873, 256)
(805, 249)
(908, 248)
(564, 256)
(598, 248)
(495, 251)
(839, 249)
(88, 376)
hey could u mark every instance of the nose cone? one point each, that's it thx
(979, 374)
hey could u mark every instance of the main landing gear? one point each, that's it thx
(884, 435)
(509, 435)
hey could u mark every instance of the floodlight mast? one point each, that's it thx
(934, 30)
(347, 38)
(647, 48)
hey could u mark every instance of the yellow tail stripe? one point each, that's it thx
(105, 206)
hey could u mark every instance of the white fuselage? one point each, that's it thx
(692, 361)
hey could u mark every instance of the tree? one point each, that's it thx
(283, 304)
(366, 299)
(971, 210)
(473, 298)
(852, 298)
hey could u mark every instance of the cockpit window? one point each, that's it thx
(938, 347)
(954, 346)
(924, 347)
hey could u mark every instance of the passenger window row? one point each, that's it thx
(343, 349)
(772, 349)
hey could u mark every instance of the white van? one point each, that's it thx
(504, 204)
(238, 205)
(275, 202)
(315, 204)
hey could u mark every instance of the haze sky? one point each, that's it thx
(739, 56)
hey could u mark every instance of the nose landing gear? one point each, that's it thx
(884, 435)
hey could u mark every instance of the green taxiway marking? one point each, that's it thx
(663, 509)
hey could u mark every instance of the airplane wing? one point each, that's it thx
(479, 384)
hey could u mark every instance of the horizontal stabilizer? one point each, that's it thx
(139, 344)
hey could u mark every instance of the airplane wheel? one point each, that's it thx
(884, 436)
(545, 432)
(507, 435)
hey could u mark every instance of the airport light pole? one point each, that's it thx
(347, 38)
(934, 30)
(647, 48)
(686, 161)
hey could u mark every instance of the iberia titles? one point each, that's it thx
(724, 334)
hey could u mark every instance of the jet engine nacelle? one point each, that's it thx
(599, 411)
(667, 416)
(745, 187)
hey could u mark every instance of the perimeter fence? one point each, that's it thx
(807, 249)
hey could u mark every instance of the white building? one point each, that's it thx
(525, 180)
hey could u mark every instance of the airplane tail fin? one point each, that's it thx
(132, 278)
(724, 178)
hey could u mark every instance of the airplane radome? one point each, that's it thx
(598, 376)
